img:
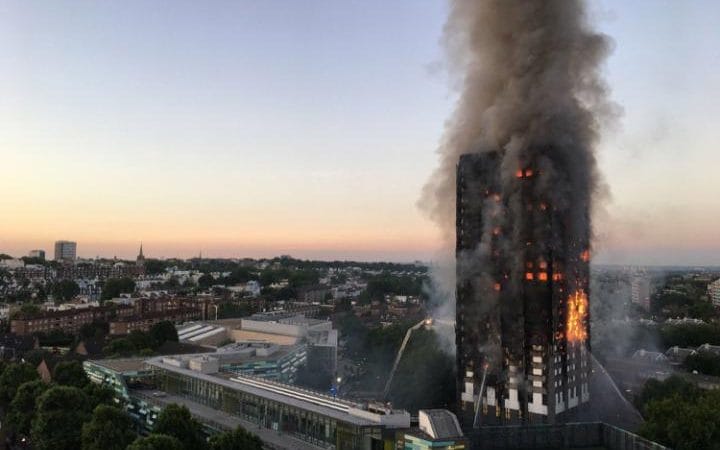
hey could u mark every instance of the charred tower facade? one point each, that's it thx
(522, 325)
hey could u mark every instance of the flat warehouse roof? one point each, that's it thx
(286, 394)
(122, 365)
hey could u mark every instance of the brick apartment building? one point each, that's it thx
(69, 321)
(142, 311)
(126, 325)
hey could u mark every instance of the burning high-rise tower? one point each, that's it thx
(522, 294)
(518, 175)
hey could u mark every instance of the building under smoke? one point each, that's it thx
(522, 329)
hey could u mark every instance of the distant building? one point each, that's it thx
(714, 292)
(140, 260)
(65, 250)
(12, 264)
(126, 325)
(676, 355)
(68, 321)
(40, 254)
(640, 292)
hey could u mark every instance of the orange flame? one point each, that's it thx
(577, 310)
(585, 256)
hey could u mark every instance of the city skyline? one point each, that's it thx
(264, 129)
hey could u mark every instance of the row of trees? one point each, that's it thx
(680, 415)
(66, 290)
(387, 284)
(72, 413)
(142, 343)
(176, 429)
(49, 415)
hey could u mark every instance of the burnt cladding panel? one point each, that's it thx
(477, 184)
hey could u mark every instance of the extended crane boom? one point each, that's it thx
(405, 341)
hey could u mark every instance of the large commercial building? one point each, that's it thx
(65, 250)
(522, 325)
(282, 415)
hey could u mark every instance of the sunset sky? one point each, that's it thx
(258, 128)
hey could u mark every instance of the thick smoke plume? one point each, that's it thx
(528, 75)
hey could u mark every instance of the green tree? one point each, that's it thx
(704, 362)
(98, 395)
(155, 266)
(35, 356)
(96, 330)
(163, 331)
(70, 373)
(238, 439)
(26, 310)
(61, 412)
(65, 290)
(205, 281)
(655, 390)
(21, 410)
(176, 421)
(113, 287)
(12, 377)
(119, 347)
(109, 429)
(140, 340)
(156, 442)
(684, 424)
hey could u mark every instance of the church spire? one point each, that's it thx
(140, 261)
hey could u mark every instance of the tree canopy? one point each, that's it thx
(113, 287)
(237, 439)
(21, 410)
(156, 442)
(176, 421)
(61, 412)
(65, 290)
(109, 429)
(162, 332)
(70, 373)
(12, 377)
(680, 415)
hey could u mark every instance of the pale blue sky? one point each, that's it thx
(308, 127)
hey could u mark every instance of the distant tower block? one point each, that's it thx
(522, 325)
(65, 250)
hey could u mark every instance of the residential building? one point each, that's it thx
(522, 320)
(65, 250)
(68, 321)
(126, 325)
(640, 291)
(714, 292)
(40, 254)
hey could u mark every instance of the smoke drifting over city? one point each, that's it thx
(528, 75)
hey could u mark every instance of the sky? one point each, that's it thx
(258, 128)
